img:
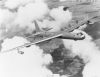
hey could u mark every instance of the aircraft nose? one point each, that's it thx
(81, 35)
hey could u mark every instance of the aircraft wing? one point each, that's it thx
(36, 41)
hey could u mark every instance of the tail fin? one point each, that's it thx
(37, 26)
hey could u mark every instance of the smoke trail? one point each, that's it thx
(89, 52)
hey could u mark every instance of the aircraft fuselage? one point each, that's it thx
(77, 36)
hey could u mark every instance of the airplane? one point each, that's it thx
(42, 36)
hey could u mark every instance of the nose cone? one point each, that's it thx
(79, 36)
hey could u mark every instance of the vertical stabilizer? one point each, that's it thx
(37, 26)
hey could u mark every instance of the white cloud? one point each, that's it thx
(31, 63)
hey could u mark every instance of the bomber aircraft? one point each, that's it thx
(42, 36)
